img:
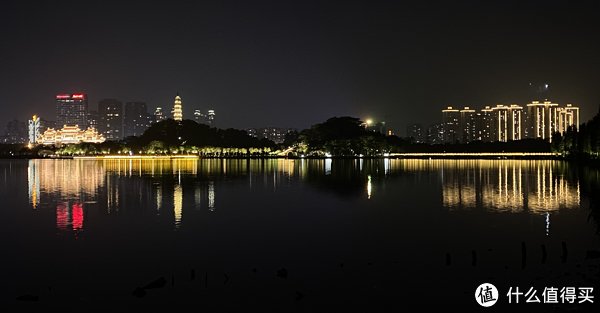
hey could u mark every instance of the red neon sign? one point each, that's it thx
(63, 96)
(78, 96)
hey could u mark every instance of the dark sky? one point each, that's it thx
(293, 64)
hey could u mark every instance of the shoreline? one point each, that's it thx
(412, 155)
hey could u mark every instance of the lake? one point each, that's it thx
(292, 235)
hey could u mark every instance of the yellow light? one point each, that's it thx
(369, 121)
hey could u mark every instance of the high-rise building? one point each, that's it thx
(435, 134)
(135, 120)
(158, 115)
(16, 132)
(177, 109)
(211, 118)
(542, 119)
(93, 119)
(72, 109)
(415, 132)
(467, 130)
(111, 119)
(207, 118)
(275, 134)
(34, 129)
(484, 124)
(506, 122)
(451, 122)
(200, 117)
(568, 116)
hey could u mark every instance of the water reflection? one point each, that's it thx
(508, 186)
(69, 216)
(174, 186)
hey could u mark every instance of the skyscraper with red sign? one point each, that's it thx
(71, 109)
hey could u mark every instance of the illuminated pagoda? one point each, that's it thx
(177, 109)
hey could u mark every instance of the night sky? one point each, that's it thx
(293, 64)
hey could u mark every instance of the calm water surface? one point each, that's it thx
(370, 235)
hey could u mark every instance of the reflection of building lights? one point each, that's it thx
(504, 186)
(369, 187)
(33, 180)
(77, 213)
(211, 195)
(62, 216)
(547, 223)
(158, 197)
(328, 166)
(177, 204)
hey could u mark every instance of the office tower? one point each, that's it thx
(451, 125)
(177, 109)
(93, 119)
(415, 132)
(467, 130)
(568, 116)
(111, 119)
(71, 109)
(135, 120)
(542, 119)
(158, 115)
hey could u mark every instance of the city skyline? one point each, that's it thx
(271, 58)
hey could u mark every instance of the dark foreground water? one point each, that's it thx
(293, 235)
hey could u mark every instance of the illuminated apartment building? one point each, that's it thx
(468, 127)
(451, 125)
(568, 116)
(542, 119)
(506, 123)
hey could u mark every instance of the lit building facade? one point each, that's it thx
(159, 115)
(70, 135)
(211, 118)
(506, 122)
(275, 134)
(451, 125)
(111, 118)
(177, 109)
(435, 134)
(207, 118)
(34, 127)
(415, 131)
(568, 116)
(135, 120)
(483, 124)
(72, 109)
(542, 119)
(468, 130)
